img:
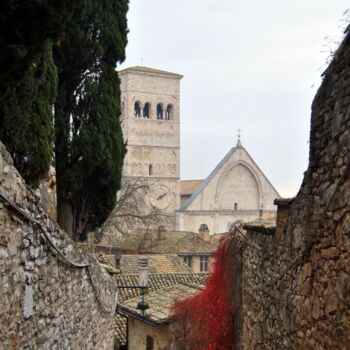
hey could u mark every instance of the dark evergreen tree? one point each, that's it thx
(28, 80)
(26, 126)
(89, 147)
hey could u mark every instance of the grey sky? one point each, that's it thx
(253, 65)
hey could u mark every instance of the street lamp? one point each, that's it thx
(142, 305)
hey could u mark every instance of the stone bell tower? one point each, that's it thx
(151, 125)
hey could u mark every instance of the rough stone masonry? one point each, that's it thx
(51, 295)
(296, 277)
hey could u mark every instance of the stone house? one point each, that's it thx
(195, 249)
(131, 296)
(154, 330)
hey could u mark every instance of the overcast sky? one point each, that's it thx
(252, 64)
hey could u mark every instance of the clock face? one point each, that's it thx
(160, 196)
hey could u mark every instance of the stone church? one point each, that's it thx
(236, 190)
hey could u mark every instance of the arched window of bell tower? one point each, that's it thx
(160, 111)
(169, 112)
(146, 110)
(137, 109)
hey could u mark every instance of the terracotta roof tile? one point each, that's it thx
(158, 263)
(156, 281)
(191, 243)
(187, 187)
(160, 301)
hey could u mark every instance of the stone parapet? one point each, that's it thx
(52, 295)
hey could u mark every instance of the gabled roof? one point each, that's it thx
(150, 70)
(190, 243)
(160, 302)
(208, 179)
(156, 281)
(201, 187)
(157, 263)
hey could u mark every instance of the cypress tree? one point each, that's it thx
(28, 80)
(89, 146)
(26, 124)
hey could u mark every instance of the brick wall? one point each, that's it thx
(296, 279)
(45, 301)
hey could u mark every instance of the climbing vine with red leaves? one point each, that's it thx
(206, 320)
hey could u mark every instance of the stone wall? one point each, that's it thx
(51, 295)
(296, 279)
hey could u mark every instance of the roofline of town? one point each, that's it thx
(126, 312)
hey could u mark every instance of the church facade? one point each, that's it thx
(236, 190)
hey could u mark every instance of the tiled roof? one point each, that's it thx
(150, 70)
(187, 187)
(156, 281)
(190, 243)
(120, 328)
(160, 302)
(158, 263)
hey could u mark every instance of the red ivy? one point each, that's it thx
(205, 321)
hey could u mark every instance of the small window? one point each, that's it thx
(160, 111)
(236, 206)
(146, 110)
(169, 112)
(137, 109)
(188, 260)
(150, 169)
(149, 343)
(122, 112)
(203, 263)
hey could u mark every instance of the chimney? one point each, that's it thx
(143, 272)
(204, 232)
(118, 258)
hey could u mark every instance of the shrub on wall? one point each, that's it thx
(206, 320)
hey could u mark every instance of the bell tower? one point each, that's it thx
(151, 125)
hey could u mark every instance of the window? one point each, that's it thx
(146, 110)
(169, 112)
(149, 343)
(160, 111)
(137, 109)
(188, 260)
(122, 112)
(150, 169)
(236, 206)
(203, 263)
